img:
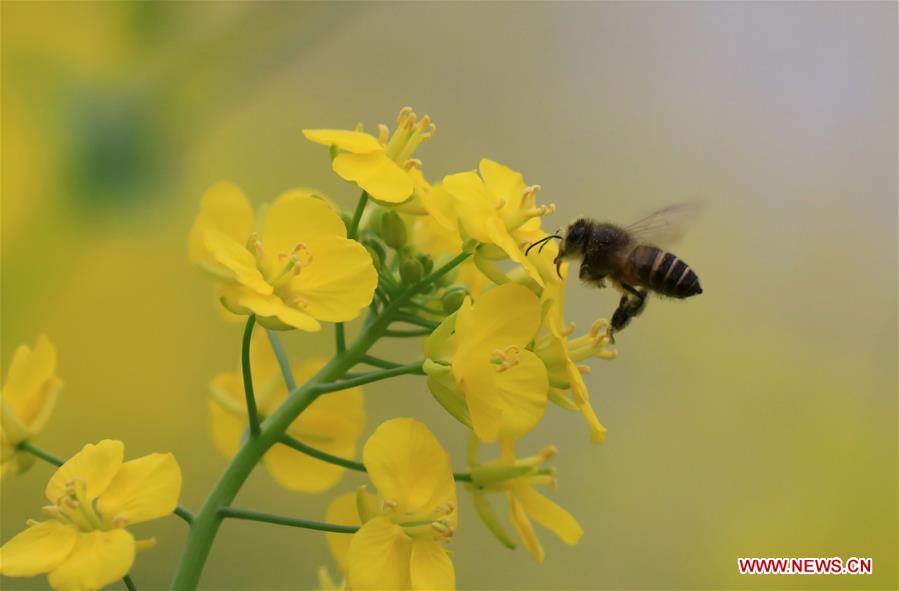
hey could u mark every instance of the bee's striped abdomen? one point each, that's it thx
(663, 272)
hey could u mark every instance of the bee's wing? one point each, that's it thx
(667, 225)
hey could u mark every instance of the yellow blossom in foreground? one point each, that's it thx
(562, 355)
(382, 166)
(399, 545)
(26, 401)
(486, 361)
(500, 211)
(298, 270)
(333, 423)
(93, 496)
(516, 478)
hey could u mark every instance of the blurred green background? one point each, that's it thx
(756, 420)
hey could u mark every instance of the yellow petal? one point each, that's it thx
(38, 549)
(95, 465)
(508, 315)
(224, 209)
(356, 142)
(548, 514)
(506, 184)
(270, 306)
(519, 393)
(31, 385)
(473, 203)
(407, 465)
(377, 174)
(144, 489)
(297, 471)
(298, 217)
(440, 205)
(338, 283)
(235, 257)
(379, 557)
(226, 428)
(525, 530)
(500, 236)
(430, 567)
(98, 559)
(341, 511)
(582, 400)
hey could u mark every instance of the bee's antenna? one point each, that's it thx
(542, 241)
(542, 246)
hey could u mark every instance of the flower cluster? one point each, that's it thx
(445, 261)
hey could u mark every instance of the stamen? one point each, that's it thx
(119, 520)
(501, 204)
(383, 134)
(412, 163)
(584, 369)
(391, 504)
(568, 330)
(443, 529)
(404, 112)
(505, 359)
(529, 196)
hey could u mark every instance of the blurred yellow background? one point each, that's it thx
(756, 420)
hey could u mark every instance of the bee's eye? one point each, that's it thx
(576, 234)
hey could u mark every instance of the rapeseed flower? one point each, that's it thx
(399, 545)
(381, 166)
(498, 210)
(26, 401)
(562, 355)
(480, 368)
(298, 270)
(516, 478)
(332, 423)
(94, 496)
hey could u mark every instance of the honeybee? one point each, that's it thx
(628, 257)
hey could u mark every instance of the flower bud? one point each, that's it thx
(393, 230)
(453, 298)
(411, 270)
(426, 262)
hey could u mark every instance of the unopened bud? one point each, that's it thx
(426, 262)
(393, 230)
(453, 298)
(411, 270)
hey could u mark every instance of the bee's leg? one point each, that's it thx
(629, 307)
(585, 273)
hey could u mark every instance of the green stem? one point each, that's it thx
(235, 513)
(184, 513)
(373, 376)
(339, 338)
(252, 413)
(39, 453)
(283, 361)
(417, 321)
(206, 523)
(129, 584)
(405, 334)
(318, 454)
(353, 230)
(377, 362)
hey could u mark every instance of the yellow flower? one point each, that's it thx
(561, 357)
(400, 544)
(516, 478)
(299, 270)
(487, 363)
(382, 166)
(94, 495)
(333, 423)
(26, 401)
(498, 210)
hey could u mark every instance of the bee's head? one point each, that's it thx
(575, 239)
